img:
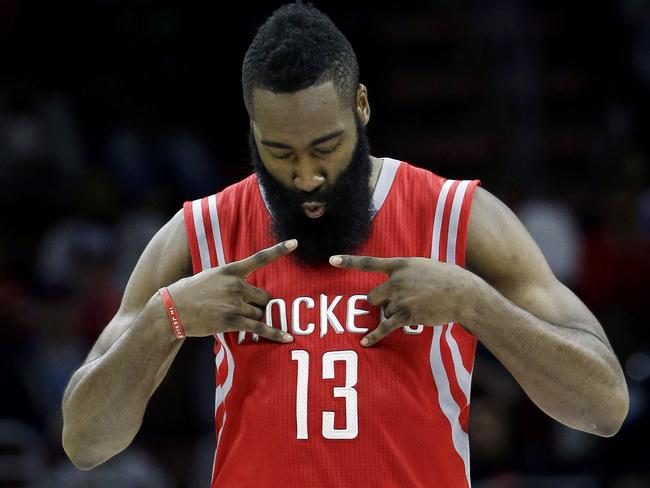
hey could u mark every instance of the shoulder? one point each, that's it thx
(172, 235)
(165, 260)
(488, 213)
(499, 248)
(167, 256)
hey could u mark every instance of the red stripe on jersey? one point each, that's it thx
(222, 374)
(463, 417)
(218, 416)
(209, 235)
(191, 237)
(223, 369)
(463, 222)
(446, 215)
(466, 345)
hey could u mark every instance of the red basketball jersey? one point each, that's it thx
(323, 411)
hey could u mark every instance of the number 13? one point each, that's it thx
(348, 392)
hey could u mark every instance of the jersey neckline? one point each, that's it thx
(384, 183)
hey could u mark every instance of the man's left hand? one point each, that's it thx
(418, 291)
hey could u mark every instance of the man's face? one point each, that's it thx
(311, 155)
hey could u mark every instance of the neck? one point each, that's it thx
(376, 169)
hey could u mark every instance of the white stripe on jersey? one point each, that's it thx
(386, 176)
(453, 220)
(448, 405)
(216, 229)
(201, 238)
(223, 389)
(463, 376)
(437, 220)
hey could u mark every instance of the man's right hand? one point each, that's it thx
(220, 299)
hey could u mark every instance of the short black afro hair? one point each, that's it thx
(299, 46)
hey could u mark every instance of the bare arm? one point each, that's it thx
(540, 331)
(105, 400)
(511, 301)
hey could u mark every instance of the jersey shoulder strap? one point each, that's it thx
(204, 226)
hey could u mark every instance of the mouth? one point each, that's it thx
(313, 210)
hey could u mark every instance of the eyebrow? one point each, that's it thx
(315, 142)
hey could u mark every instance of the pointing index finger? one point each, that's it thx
(366, 263)
(245, 266)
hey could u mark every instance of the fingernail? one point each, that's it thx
(364, 342)
(335, 260)
(287, 337)
(292, 244)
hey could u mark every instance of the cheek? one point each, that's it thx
(340, 163)
(335, 172)
(281, 173)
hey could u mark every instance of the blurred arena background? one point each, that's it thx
(114, 113)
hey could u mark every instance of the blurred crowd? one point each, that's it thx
(112, 114)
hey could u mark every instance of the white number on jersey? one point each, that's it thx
(348, 392)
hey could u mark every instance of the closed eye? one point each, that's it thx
(327, 151)
(282, 156)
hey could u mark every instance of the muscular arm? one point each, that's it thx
(105, 400)
(537, 328)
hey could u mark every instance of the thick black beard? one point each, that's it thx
(347, 222)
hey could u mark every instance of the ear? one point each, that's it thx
(363, 105)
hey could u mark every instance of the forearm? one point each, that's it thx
(104, 403)
(567, 372)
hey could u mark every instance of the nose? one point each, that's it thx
(308, 178)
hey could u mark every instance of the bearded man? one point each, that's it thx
(346, 294)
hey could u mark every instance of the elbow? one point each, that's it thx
(617, 419)
(614, 414)
(77, 443)
(90, 436)
(81, 455)
(81, 463)
(86, 451)
(607, 429)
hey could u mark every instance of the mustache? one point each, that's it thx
(319, 196)
(298, 197)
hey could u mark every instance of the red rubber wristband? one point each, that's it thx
(174, 319)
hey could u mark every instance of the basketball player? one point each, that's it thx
(346, 294)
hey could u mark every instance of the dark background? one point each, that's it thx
(113, 113)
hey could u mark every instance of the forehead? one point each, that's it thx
(305, 114)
